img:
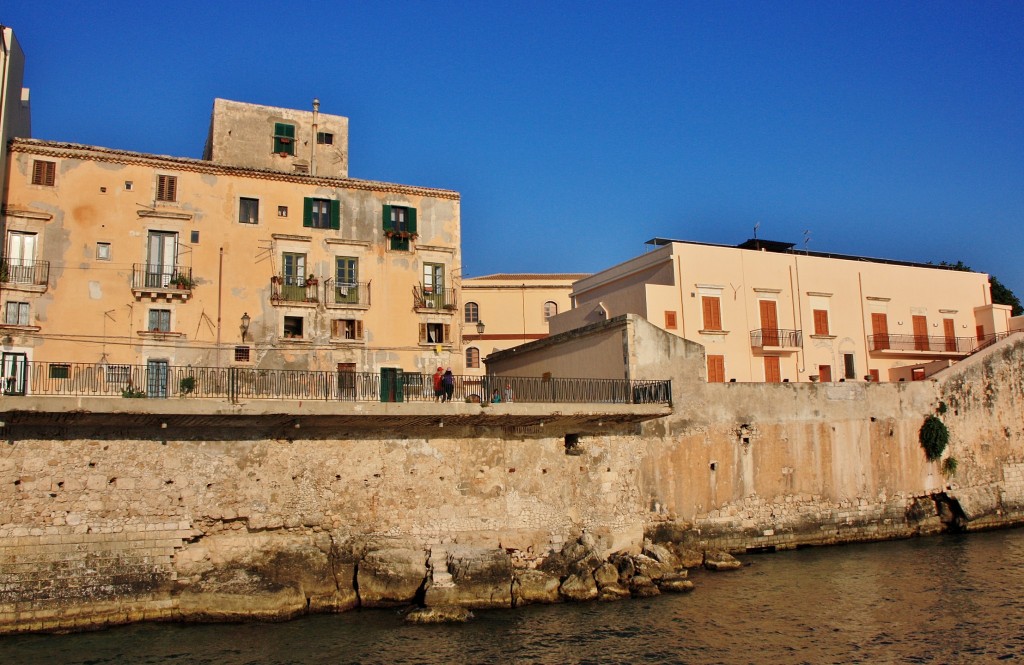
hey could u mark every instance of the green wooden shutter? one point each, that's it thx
(389, 224)
(307, 211)
(411, 220)
(336, 215)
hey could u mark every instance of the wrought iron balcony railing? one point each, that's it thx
(776, 337)
(294, 288)
(347, 293)
(23, 271)
(160, 276)
(927, 343)
(955, 346)
(433, 297)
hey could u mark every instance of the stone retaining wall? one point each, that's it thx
(108, 531)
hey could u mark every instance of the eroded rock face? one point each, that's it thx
(252, 576)
(642, 587)
(535, 586)
(579, 587)
(606, 575)
(720, 560)
(390, 577)
(467, 577)
(675, 584)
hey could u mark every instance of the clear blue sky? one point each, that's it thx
(576, 131)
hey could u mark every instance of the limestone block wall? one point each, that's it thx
(119, 529)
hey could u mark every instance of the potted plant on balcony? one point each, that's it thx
(182, 281)
(312, 280)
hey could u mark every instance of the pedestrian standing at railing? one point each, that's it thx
(438, 388)
(448, 383)
(508, 392)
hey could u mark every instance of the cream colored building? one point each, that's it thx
(766, 312)
(15, 113)
(266, 255)
(513, 309)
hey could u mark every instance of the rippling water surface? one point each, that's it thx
(949, 599)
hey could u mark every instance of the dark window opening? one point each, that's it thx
(293, 327)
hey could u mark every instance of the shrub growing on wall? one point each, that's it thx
(933, 436)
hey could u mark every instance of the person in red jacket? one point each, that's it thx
(438, 388)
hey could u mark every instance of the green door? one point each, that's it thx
(391, 384)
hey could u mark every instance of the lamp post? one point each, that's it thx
(245, 325)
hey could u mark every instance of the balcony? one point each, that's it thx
(24, 274)
(776, 339)
(292, 289)
(159, 281)
(354, 295)
(433, 298)
(924, 345)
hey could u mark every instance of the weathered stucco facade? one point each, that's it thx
(126, 258)
(160, 513)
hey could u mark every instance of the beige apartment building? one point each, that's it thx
(265, 254)
(767, 312)
(508, 309)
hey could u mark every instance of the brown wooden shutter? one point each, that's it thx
(166, 188)
(423, 332)
(43, 172)
(716, 369)
(446, 335)
(880, 330)
(670, 320)
(821, 322)
(949, 330)
(920, 333)
(772, 372)
(712, 313)
(825, 373)
(359, 329)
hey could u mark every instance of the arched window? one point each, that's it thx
(550, 309)
(472, 312)
(472, 358)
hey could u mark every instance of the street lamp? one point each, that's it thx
(245, 325)
(479, 327)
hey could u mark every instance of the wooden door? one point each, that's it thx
(772, 371)
(825, 373)
(769, 323)
(949, 331)
(875, 375)
(920, 333)
(880, 330)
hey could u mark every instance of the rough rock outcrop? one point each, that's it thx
(390, 577)
(535, 586)
(675, 583)
(579, 587)
(720, 560)
(467, 577)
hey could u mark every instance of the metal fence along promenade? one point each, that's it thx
(158, 380)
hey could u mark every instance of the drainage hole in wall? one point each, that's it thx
(713, 466)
